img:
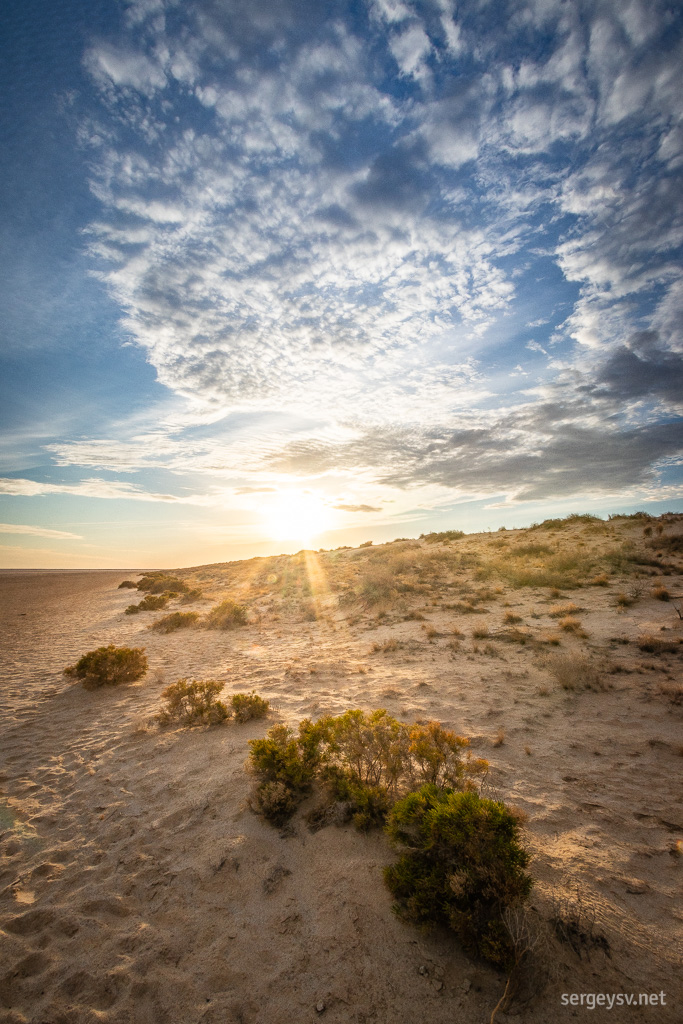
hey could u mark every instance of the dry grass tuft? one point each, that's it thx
(574, 673)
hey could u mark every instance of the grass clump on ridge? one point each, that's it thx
(109, 666)
(226, 615)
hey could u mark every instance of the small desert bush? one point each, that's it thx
(194, 594)
(176, 620)
(601, 580)
(193, 703)
(226, 615)
(462, 865)
(570, 624)
(158, 582)
(574, 673)
(284, 763)
(660, 593)
(511, 618)
(275, 801)
(109, 666)
(151, 603)
(560, 610)
(624, 601)
(127, 585)
(656, 644)
(246, 706)
(481, 632)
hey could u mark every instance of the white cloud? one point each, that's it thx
(94, 488)
(119, 67)
(410, 49)
(38, 531)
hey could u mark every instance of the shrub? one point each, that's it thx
(226, 615)
(248, 705)
(109, 666)
(275, 801)
(193, 703)
(286, 757)
(365, 760)
(560, 610)
(573, 673)
(151, 603)
(462, 866)
(191, 595)
(656, 644)
(158, 582)
(176, 620)
(570, 624)
(441, 758)
(127, 585)
(660, 593)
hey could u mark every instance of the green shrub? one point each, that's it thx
(151, 603)
(441, 758)
(283, 756)
(370, 748)
(127, 585)
(248, 705)
(158, 582)
(194, 594)
(109, 666)
(462, 865)
(176, 620)
(193, 703)
(226, 615)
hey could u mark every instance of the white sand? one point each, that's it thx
(136, 886)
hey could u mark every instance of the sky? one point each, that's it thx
(285, 273)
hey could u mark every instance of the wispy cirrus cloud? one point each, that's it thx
(38, 531)
(93, 488)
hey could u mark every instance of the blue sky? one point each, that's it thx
(329, 271)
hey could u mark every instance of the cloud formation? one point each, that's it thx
(399, 245)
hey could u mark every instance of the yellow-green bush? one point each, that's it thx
(109, 666)
(246, 706)
(193, 703)
(226, 615)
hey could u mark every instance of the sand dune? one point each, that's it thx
(137, 886)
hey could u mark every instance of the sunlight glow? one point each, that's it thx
(297, 515)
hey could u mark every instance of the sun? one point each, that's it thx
(296, 515)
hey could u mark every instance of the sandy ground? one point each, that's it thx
(137, 886)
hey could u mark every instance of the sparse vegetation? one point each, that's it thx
(246, 706)
(176, 620)
(193, 703)
(127, 585)
(151, 603)
(226, 615)
(574, 673)
(109, 666)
